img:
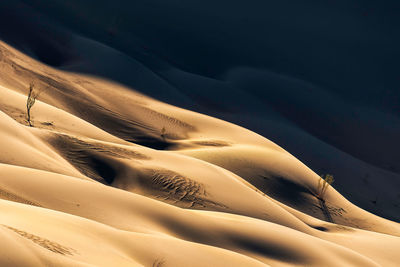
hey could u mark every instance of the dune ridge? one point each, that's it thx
(109, 176)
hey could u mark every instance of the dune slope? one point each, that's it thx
(109, 176)
(131, 181)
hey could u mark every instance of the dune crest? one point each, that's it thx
(108, 176)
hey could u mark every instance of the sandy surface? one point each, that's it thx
(110, 177)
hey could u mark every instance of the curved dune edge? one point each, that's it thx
(132, 181)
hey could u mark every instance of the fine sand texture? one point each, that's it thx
(145, 149)
(110, 177)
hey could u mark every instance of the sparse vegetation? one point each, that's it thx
(32, 95)
(163, 132)
(323, 183)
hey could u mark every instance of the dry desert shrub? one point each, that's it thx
(163, 133)
(32, 95)
(323, 183)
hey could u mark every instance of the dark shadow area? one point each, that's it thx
(332, 228)
(349, 46)
(320, 228)
(90, 162)
(101, 168)
(34, 34)
(268, 250)
(283, 190)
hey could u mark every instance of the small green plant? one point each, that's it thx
(323, 184)
(163, 132)
(32, 95)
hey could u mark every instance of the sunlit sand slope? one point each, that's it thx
(108, 176)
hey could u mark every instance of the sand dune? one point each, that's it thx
(110, 176)
(132, 181)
